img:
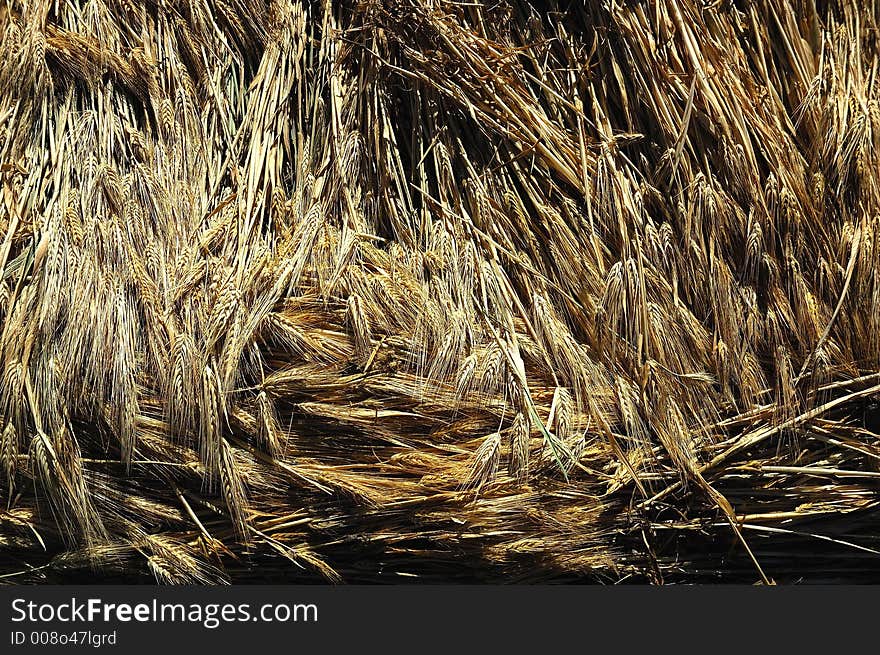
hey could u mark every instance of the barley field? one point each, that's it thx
(435, 291)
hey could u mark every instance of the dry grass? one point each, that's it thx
(439, 291)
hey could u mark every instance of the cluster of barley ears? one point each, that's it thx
(439, 290)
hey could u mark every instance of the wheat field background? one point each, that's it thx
(432, 291)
